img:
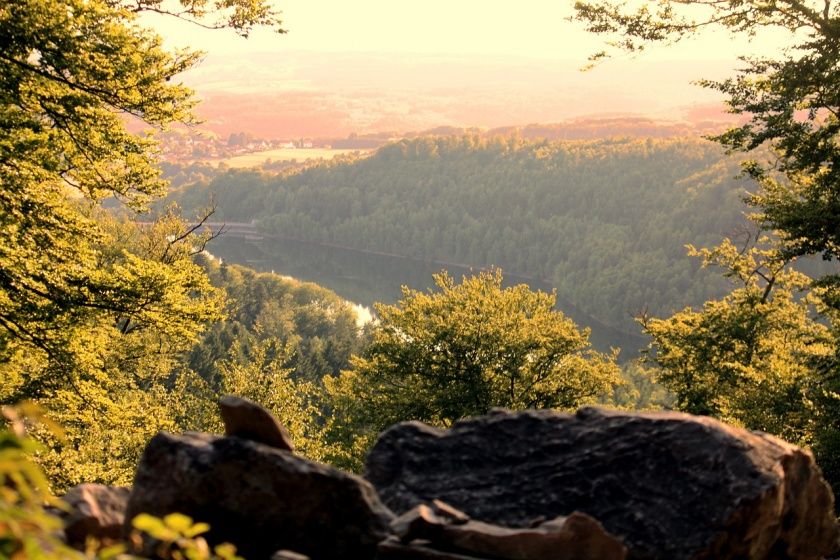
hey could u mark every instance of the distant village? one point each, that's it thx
(190, 145)
(182, 145)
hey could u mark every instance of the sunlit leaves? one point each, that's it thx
(177, 537)
(758, 355)
(95, 312)
(749, 357)
(265, 379)
(240, 15)
(463, 349)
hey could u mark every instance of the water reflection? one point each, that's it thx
(366, 278)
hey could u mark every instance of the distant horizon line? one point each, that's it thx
(643, 58)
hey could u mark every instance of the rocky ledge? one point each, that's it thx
(596, 485)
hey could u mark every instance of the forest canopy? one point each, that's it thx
(460, 350)
(119, 330)
(605, 222)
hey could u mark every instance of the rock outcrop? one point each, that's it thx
(442, 528)
(248, 420)
(95, 511)
(670, 485)
(259, 498)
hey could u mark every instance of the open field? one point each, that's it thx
(284, 154)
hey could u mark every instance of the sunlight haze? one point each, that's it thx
(533, 28)
(372, 66)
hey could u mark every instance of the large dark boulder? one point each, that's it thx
(259, 498)
(673, 486)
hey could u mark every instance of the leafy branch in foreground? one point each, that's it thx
(26, 529)
(177, 537)
(95, 312)
(768, 356)
(747, 358)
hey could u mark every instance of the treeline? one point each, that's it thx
(201, 329)
(604, 221)
(316, 330)
(701, 121)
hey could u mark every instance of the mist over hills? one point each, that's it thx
(604, 221)
(305, 94)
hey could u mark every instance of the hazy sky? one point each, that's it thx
(532, 28)
(373, 65)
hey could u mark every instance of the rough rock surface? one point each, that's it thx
(248, 420)
(259, 498)
(393, 549)
(672, 486)
(576, 537)
(96, 511)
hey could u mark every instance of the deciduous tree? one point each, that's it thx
(747, 358)
(462, 350)
(760, 341)
(93, 310)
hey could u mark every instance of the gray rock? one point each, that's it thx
(671, 486)
(259, 498)
(393, 549)
(95, 511)
(247, 420)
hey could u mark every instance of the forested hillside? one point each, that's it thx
(604, 221)
(117, 325)
(316, 330)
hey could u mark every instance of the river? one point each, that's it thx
(366, 278)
